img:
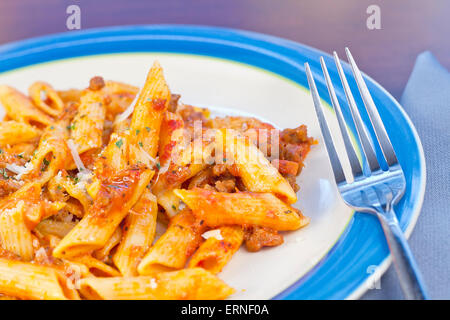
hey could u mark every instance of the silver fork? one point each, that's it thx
(372, 190)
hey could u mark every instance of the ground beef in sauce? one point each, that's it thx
(294, 147)
(227, 185)
(96, 83)
(258, 237)
(173, 103)
(190, 115)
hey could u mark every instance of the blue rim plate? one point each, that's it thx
(342, 273)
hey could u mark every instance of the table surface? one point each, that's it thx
(408, 27)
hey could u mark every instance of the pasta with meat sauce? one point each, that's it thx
(86, 176)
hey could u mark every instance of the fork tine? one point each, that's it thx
(353, 159)
(335, 163)
(374, 116)
(363, 136)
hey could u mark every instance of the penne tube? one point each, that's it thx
(170, 202)
(257, 173)
(148, 112)
(138, 234)
(20, 108)
(54, 227)
(31, 281)
(14, 234)
(217, 251)
(114, 240)
(116, 197)
(242, 208)
(188, 284)
(87, 126)
(50, 155)
(172, 139)
(121, 96)
(70, 95)
(14, 132)
(63, 182)
(175, 246)
(46, 98)
(96, 266)
(175, 173)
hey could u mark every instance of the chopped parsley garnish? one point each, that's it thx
(137, 131)
(3, 172)
(140, 144)
(119, 143)
(158, 165)
(173, 207)
(147, 128)
(45, 164)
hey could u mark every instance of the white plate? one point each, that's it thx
(234, 88)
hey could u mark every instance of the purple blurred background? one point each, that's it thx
(408, 27)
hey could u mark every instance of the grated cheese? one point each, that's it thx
(153, 283)
(84, 177)
(19, 170)
(162, 170)
(75, 155)
(15, 168)
(213, 234)
(152, 160)
(128, 111)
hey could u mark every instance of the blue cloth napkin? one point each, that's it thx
(426, 99)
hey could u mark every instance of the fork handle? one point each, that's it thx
(407, 270)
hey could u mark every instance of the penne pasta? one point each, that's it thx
(54, 227)
(63, 182)
(50, 155)
(175, 246)
(30, 281)
(14, 132)
(188, 284)
(87, 126)
(262, 209)
(103, 254)
(20, 108)
(148, 112)
(218, 249)
(256, 171)
(172, 138)
(96, 266)
(116, 197)
(138, 234)
(46, 98)
(14, 233)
